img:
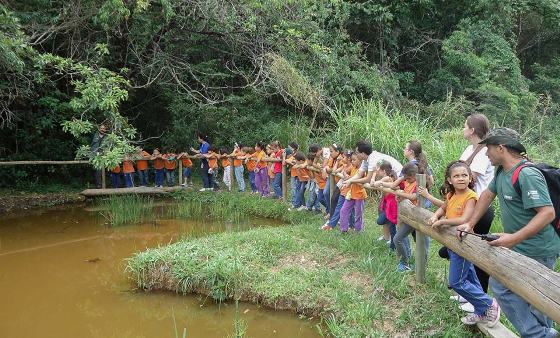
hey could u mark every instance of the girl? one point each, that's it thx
(293, 148)
(355, 200)
(128, 171)
(204, 166)
(344, 168)
(187, 169)
(327, 170)
(261, 173)
(251, 165)
(277, 153)
(159, 167)
(116, 176)
(142, 166)
(212, 157)
(388, 208)
(238, 154)
(303, 178)
(226, 164)
(458, 208)
(170, 165)
(313, 188)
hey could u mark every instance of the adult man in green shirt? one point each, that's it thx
(526, 219)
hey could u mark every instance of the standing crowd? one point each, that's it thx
(493, 165)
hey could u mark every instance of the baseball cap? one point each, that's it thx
(504, 136)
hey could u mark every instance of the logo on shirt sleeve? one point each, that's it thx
(533, 195)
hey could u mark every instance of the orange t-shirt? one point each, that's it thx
(293, 172)
(321, 181)
(128, 167)
(187, 163)
(170, 164)
(116, 170)
(251, 164)
(260, 155)
(456, 203)
(236, 162)
(159, 163)
(212, 161)
(303, 175)
(348, 170)
(143, 164)
(410, 188)
(357, 191)
(225, 162)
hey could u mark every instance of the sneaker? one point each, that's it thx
(381, 238)
(303, 207)
(458, 298)
(467, 307)
(490, 318)
(183, 184)
(326, 226)
(403, 267)
(203, 189)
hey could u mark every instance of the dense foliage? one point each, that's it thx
(158, 70)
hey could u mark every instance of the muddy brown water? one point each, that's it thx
(62, 274)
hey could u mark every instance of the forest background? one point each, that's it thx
(243, 71)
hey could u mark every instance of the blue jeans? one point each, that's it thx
(277, 185)
(313, 198)
(143, 177)
(530, 322)
(300, 195)
(206, 179)
(335, 216)
(129, 180)
(116, 180)
(382, 220)
(159, 176)
(294, 182)
(327, 195)
(187, 172)
(252, 181)
(402, 243)
(170, 174)
(323, 200)
(239, 177)
(463, 279)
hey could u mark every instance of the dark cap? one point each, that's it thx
(504, 136)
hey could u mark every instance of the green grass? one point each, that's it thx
(129, 209)
(349, 281)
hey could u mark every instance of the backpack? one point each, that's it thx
(552, 177)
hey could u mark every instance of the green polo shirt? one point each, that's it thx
(517, 210)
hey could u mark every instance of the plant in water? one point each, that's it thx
(120, 210)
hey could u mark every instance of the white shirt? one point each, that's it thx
(480, 165)
(370, 165)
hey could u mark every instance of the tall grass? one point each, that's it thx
(119, 210)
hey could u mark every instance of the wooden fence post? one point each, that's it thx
(421, 237)
(103, 181)
(284, 179)
(180, 172)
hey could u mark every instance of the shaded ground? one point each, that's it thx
(25, 200)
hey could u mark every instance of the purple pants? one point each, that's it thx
(262, 181)
(346, 212)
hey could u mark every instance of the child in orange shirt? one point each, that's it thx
(170, 166)
(355, 200)
(116, 176)
(187, 169)
(238, 167)
(261, 173)
(251, 165)
(292, 150)
(342, 167)
(159, 166)
(212, 157)
(303, 179)
(226, 164)
(142, 166)
(128, 171)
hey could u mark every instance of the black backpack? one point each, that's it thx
(552, 177)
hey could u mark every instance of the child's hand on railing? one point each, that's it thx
(432, 220)
(423, 192)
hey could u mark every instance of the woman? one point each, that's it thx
(204, 167)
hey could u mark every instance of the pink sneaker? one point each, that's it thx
(490, 318)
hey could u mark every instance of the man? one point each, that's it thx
(369, 159)
(526, 219)
(96, 143)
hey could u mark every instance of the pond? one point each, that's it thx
(62, 274)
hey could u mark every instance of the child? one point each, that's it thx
(388, 208)
(261, 173)
(344, 168)
(334, 152)
(142, 166)
(458, 208)
(212, 157)
(238, 167)
(170, 166)
(187, 169)
(316, 180)
(355, 200)
(303, 178)
(402, 243)
(270, 167)
(116, 176)
(226, 164)
(159, 166)
(251, 165)
(294, 182)
(128, 171)
(277, 153)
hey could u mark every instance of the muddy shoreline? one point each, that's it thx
(26, 201)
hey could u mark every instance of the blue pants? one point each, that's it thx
(313, 197)
(116, 180)
(300, 195)
(206, 182)
(170, 174)
(335, 216)
(277, 185)
(239, 177)
(530, 322)
(159, 177)
(187, 172)
(322, 199)
(129, 180)
(294, 183)
(382, 220)
(143, 177)
(327, 195)
(252, 181)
